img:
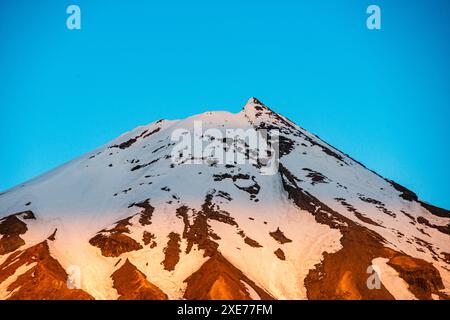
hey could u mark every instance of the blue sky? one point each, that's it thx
(381, 96)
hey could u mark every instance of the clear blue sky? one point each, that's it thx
(381, 96)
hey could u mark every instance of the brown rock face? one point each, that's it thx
(436, 210)
(113, 245)
(443, 229)
(252, 243)
(199, 232)
(357, 214)
(132, 284)
(218, 279)
(146, 213)
(423, 279)
(343, 274)
(279, 236)
(149, 238)
(114, 242)
(10, 244)
(280, 254)
(11, 227)
(45, 280)
(172, 252)
(130, 142)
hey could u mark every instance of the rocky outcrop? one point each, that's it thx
(115, 241)
(44, 280)
(316, 226)
(172, 252)
(218, 279)
(343, 274)
(422, 278)
(149, 239)
(279, 236)
(128, 143)
(280, 254)
(114, 244)
(11, 227)
(132, 284)
(199, 231)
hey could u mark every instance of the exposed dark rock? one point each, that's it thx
(147, 212)
(280, 254)
(286, 145)
(150, 133)
(199, 232)
(11, 227)
(413, 220)
(342, 274)
(172, 252)
(279, 236)
(46, 280)
(140, 166)
(224, 195)
(444, 229)
(252, 243)
(358, 214)
(149, 238)
(378, 204)
(423, 279)
(235, 177)
(316, 177)
(404, 192)
(130, 142)
(113, 245)
(113, 242)
(53, 235)
(252, 189)
(446, 257)
(443, 213)
(218, 279)
(132, 284)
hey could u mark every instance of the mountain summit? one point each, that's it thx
(127, 221)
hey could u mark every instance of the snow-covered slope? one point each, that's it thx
(126, 221)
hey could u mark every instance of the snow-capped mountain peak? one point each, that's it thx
(131, 220)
